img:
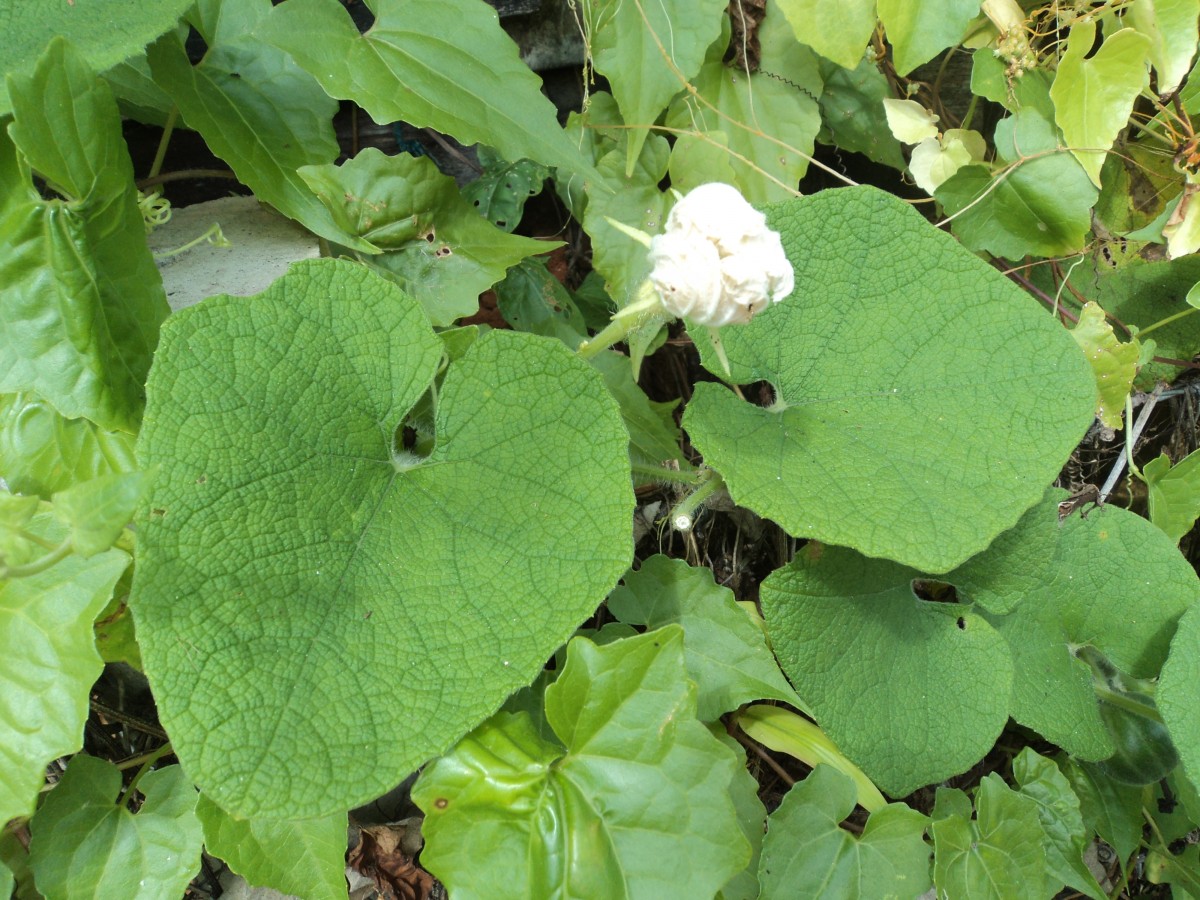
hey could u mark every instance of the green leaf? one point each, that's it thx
(437, 246)
(533, 300)
(920, 31)
(635, 201)
(785, 731)
(304, 858)
(96, 511)
(653, 435)
(807, 854)
(86, 845)
(48, 663)
(1111, 809)
(1093, 93)
(442, 64)
(770, 148)
(1112, 582)
(647, 51)
(1174, 493)
(573, 820)
(852, 112)
(903, 727)
(726, 653)
(1039, 201)
(1144, 294)
(255, 108)
(1178, 696)
(500, 192)
(44, 453)
(83, 300)
(1000, 854)
(1171, 27)
(6, 881)
(961, 459)
(751, 815)
(281, 492)
(1114, 364)
(104, 34)
(838, 31)
(1058, 811)
(136, 92)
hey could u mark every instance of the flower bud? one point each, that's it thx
(717, 262)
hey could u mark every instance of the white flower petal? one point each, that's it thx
(687, 275)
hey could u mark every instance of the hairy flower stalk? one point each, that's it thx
(716, 263)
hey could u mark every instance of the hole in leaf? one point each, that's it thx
(934, 591)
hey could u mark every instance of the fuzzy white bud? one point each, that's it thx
(717, 262)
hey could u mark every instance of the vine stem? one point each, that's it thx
(151, 759)
(1131, 439)
(645, 305)
(683, 516)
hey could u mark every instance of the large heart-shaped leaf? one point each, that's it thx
(628, 799)
(922, 401)
(910, 690)
(1179, 695)
(320, 612)
(443, 64)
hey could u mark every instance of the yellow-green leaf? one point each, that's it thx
(1113, 363)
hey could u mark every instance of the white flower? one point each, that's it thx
(717, 262)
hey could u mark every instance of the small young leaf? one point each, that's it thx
(625, 715)
(807, 854)
(1174, 493)
(436, 245)
(310, 546)
(1058, 811)
(44, 452)
(443, 64)
(1114, 364)
(82, 299)
(303, 858)
(902, 726)
(727, 654)
(1093, 93)
(85, 845)
(925, 474)
(1000, 855)
(48, 663)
